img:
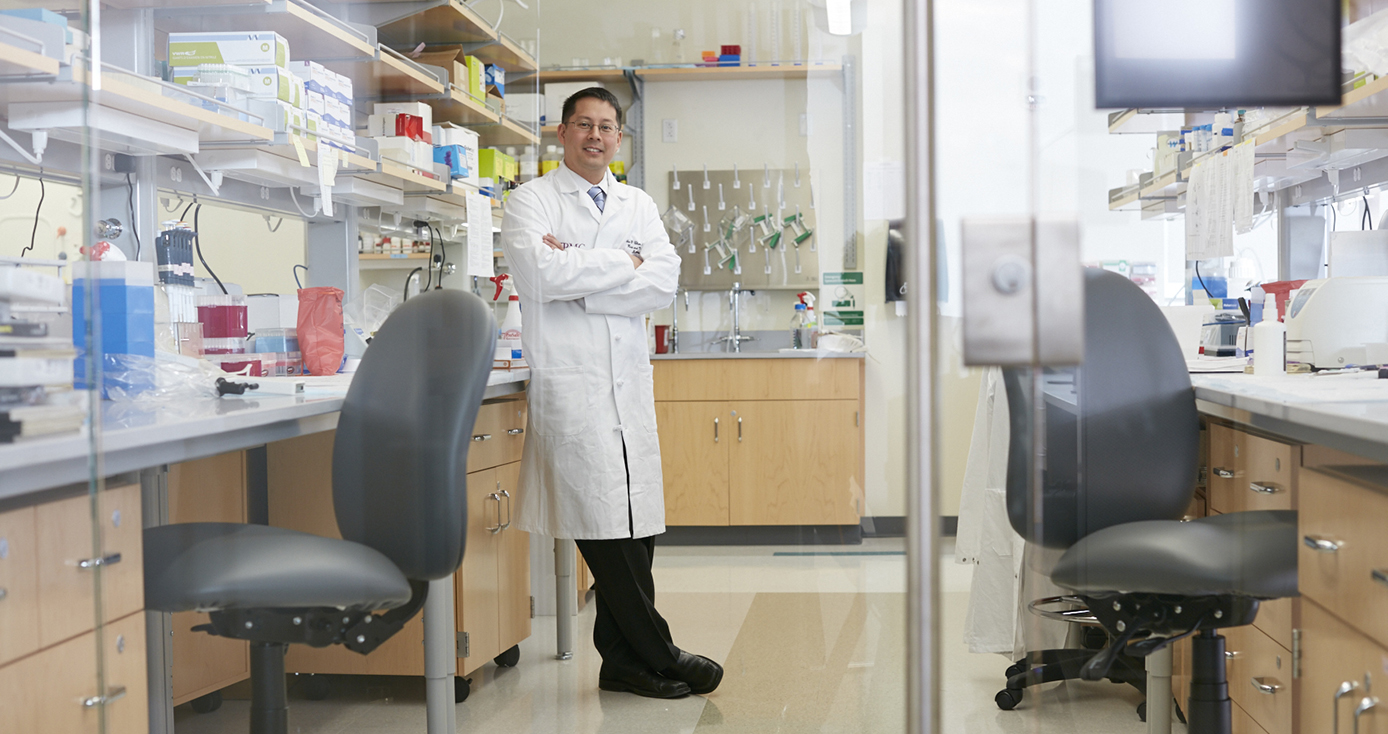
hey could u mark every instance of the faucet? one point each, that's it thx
(735, 337)
(675, 319)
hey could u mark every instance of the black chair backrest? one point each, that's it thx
(400, 456)
(1125, 447)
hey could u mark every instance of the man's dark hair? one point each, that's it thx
(597, 93)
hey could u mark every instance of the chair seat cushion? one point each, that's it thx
(209, 566)
(1246, 553)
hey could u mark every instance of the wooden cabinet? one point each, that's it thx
(1250, 472)
(492, 587)
(1343, 562)
(50, 659)
(1260, 677)
(206, 490)
(1332, 654)
(749, 442)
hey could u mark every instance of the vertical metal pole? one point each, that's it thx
(154, 501)
(566, 597)
(331, 252)
(1284, 238)
(440, 657)
(1159, 691)
(922, 518)
(851, 171)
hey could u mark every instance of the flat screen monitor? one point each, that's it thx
(1211, 54)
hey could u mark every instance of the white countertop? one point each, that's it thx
(137, 435)
(793, 354)
(1344, 411)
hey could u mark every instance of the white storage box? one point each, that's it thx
(246, 49)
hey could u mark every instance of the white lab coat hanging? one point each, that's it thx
(591, 395)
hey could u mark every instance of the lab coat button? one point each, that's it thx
(618, 337)
(620, 383)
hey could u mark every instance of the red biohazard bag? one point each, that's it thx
(320, 329)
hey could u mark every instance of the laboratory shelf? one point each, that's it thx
(1365, 101)
(1144, 121)
(138, 4)
(396, 174)
(1284, 125)
(1122, 199)
(137, 95)
(448, 23)
(18, 62)
(507, 54)
(609, 74)
(461, 108)
(392, 261)
(507, 132)
(1164, 187)
(390, 75)
(790, 71)
(310, 32)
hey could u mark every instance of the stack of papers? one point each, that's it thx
(1217, 364)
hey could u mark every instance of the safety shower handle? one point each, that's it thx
(1264, 487)
(1321, 544)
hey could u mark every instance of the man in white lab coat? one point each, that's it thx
(590, 259)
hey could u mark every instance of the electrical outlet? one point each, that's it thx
(669, 131)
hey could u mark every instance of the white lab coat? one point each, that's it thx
(591, 393)
(1008, 572)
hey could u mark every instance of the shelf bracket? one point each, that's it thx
(214, 182)
(40, 141)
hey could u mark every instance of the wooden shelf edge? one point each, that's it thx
(34, 62)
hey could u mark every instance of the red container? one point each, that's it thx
(734, 50)
(662, 339)
(223, 321)
(410, 126)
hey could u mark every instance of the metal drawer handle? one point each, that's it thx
(507, 495)
(1366, 703)
(1267, 685)
(1263, 488)
(494, 496)
(1380, 575)
(1223, 473)
(1323, 545)
(113, 694)
(1232, 654)
(739, 429)
(515, 431)
(482, 437)
(715, 430)
(105, 560)
(1345, 689)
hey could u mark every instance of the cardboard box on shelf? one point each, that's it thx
(455, 157)
(246, 49)
(495, 80)
(400, 149)
(446, 58)
(494, 164)
(274, 82)
(555, 94)
(476, 77)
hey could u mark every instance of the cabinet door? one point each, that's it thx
(19, 585)
(66, 556)
(206, 490)
(1333, 653)
(794, 462)
(513, 564)
(478, 595)
(694, 440)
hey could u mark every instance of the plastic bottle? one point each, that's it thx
(550, 160)
(798, 332)
(509, 337)
(811, 323)
(1269, 341)
(529, 164)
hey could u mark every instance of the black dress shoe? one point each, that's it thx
(702, 675)
(643, 683)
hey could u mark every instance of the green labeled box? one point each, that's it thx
(476, 77)
(245, 49)
(273, 82)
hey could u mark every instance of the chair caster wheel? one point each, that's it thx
(315, 687)
(462, 688)
(1008, 698)
(209, 703)
(1016, 669)
(509, 658)
(1142, 712)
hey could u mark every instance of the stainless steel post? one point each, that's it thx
(734, 300)
(565, 597)
(1159, 691)
(440, 657)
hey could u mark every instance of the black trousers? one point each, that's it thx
(629, 633)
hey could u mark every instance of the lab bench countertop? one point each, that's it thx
(1348, 411)
(139, 435)
(796, 354)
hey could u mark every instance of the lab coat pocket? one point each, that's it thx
(646, 383)
(561, 403)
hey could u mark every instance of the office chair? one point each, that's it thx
(399, 495)
(1120, 458)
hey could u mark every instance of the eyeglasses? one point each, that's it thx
(605, 128)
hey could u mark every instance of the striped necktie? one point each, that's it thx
(599, 197)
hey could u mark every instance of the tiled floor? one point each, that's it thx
(810, 643)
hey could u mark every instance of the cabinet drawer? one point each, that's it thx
(1249, 472)
(1275, 618)
(1347, 569)
(1242, 723)
(1260, 678)
(1332, 653)
(19, 585)
(67, 561)
(49, 691)
(757, 379)
(498, 436)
